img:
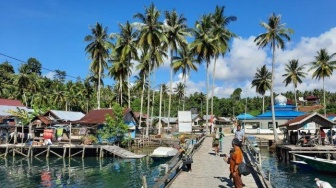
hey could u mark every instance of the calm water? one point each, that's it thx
(89, 172)
(288, 175)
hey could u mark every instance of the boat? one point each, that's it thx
(320, 164)
(303, 165)
(162, 153)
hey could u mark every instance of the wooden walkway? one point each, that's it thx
(121, 152)
(209, 170)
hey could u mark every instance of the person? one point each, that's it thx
(221, 136)
(334, 138)
(323, 135)
(236, 158)
(240, 135)
(216, 142)
(322, 184)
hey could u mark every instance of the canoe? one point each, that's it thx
(319, 163)
(163, 153)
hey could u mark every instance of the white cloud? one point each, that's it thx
(50, 75)
(238, 67)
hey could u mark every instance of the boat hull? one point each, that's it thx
(319, 163)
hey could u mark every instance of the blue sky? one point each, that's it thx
(53, 32)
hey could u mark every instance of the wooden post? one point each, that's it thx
(6, 152)
(144, 182)
(29, 149)
(48, 151)
(32, 152)
(13, 152)
(101, 152)
(83, 152)
(64, 152)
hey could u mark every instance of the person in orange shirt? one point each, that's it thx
(235, 159)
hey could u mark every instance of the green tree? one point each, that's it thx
(127, 50)
(98, 48)
(115, 125)
(223, 36)
(184, 62)
(324, 67)
(34, 66)
(262, 83)
(176, 30)
(294, 73)
(151, 40)
(275, 37)
(205, 47)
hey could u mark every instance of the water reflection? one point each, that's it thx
(76, 172)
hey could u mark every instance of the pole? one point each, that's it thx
(70, 142)
(160, 125)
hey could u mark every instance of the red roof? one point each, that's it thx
(97, 116)
(10, 102)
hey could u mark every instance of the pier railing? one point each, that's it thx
(254, 155)
(175, 166)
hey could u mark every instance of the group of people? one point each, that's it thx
(236, 154)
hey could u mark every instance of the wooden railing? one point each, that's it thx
(175, 166)
(254, 155)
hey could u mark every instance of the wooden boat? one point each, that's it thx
(319, 163)
(162, 153)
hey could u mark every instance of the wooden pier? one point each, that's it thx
(285, 152)
(65, 150)
(209, 170)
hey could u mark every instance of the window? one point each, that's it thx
(270, 125)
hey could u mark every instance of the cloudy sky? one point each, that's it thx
(53, 32)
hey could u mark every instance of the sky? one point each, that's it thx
(53, 32)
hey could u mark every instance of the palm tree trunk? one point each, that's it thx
(170, 85)
(160, 126)
(98, 92)
(142, 96)
(296, 104)
(148, 101)
(121, 91)
(207, 101)
(184, 93)
(263, 97)
(213, 86)
(324, 100)
(129, 91)
(275, 132)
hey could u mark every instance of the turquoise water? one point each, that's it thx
(290, 176)
(77, 172)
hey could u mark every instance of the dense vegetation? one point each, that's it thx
(148, 41)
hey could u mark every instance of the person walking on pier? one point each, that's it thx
(221, 136)
(235, 159)
(322, 184)
(240, 135)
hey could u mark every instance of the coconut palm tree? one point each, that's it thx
(185, 63)
(275, 37)
(324, 67)
(23, 80)
(262, 82)
(151, 38)
(176, 30)
(223, 36)
(294, 73)
(98, 48)
(205, 47)
(126, 48)
(180, 92)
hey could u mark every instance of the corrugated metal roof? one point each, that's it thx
(68, 115)
(4, 109)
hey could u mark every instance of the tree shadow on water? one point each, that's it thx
(226, 181)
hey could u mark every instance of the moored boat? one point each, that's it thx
(163, 153)
(319, 163)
